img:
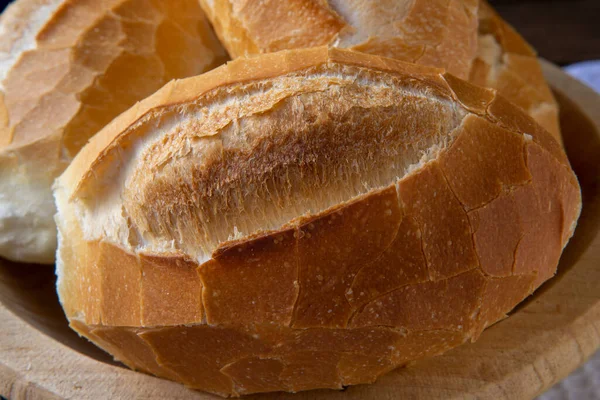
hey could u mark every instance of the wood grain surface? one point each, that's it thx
(547, 337)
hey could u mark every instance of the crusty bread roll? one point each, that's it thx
(429, 32)
(506, 62)
(67, 68)
(442, 34)
(307, 219)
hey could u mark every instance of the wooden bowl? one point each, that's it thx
(546, 337)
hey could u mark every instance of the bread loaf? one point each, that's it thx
(442, 34)
(67, 68)
(307, 219)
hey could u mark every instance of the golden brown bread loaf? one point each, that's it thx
(436, 33)
(67, 68)
(307, 219)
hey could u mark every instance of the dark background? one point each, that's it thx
(562, 31)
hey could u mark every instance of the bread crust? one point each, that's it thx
(336, 294)
(67, 68)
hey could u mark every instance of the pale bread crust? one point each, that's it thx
(443, 252)
(69, 68)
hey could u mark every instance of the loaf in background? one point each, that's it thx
(67, 68)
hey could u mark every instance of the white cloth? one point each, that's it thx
(588, 72)
(583, 384)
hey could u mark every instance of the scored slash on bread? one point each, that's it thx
(307, 219)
